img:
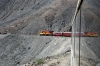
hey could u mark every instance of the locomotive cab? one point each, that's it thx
(91, 34)
(46, 33)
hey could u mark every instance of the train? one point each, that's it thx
(68, 34)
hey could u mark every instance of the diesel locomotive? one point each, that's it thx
(67, 34)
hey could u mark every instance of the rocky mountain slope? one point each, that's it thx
(23, 16)
(22, 20)
(21, 49)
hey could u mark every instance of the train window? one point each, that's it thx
(86, 50)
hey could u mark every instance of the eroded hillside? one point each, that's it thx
(22, 20)
(31, 16)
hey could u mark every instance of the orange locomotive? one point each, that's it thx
(67, 34)
(46, 33)
(91, 34)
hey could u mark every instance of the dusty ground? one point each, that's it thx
(57, 60)
(22, 49)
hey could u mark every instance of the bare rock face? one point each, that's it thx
(22, 20)
(41, 14)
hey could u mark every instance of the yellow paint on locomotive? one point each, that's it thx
(46, 32)
(91, 34)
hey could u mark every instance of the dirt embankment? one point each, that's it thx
(22, 49)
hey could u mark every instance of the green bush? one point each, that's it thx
(40, 61)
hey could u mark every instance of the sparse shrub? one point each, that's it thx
(40, 61)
